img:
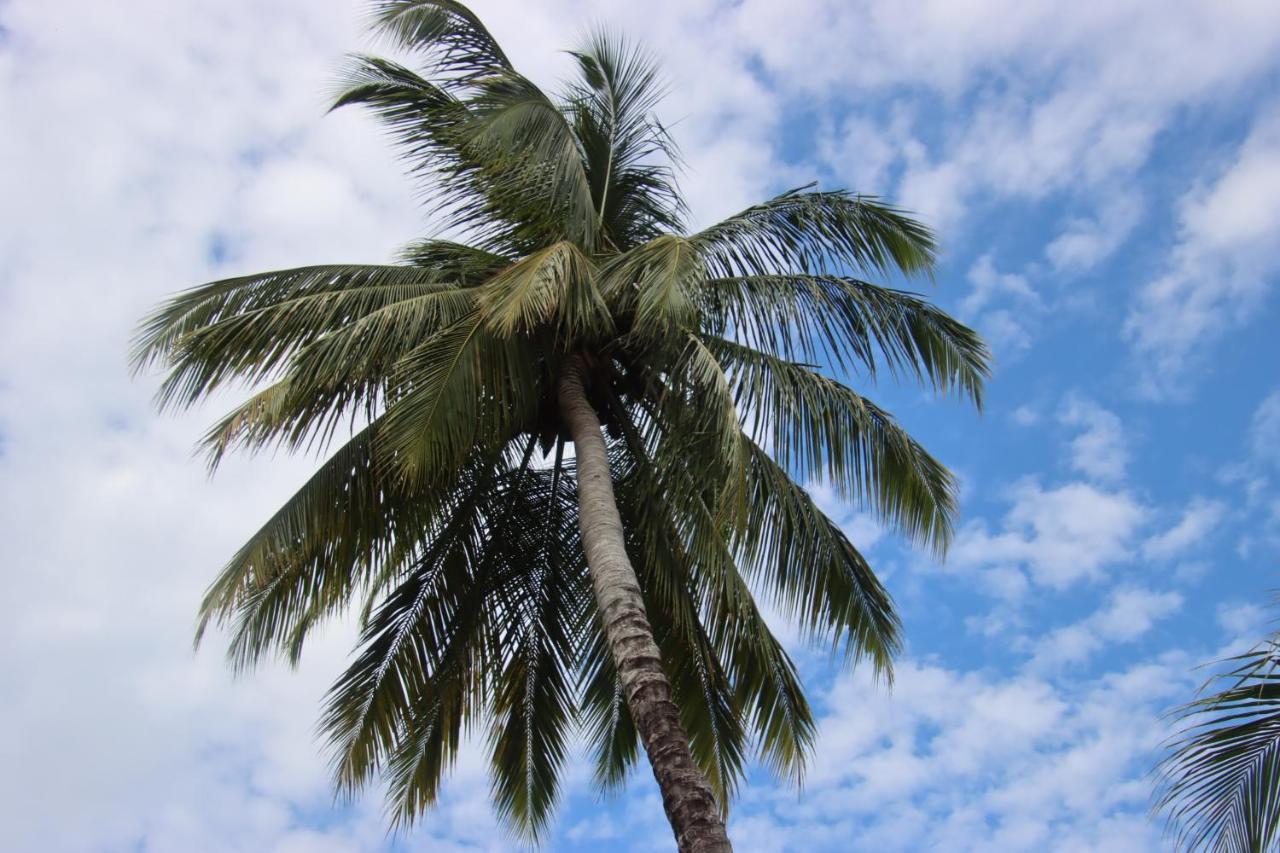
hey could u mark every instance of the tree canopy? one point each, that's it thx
(446, 516)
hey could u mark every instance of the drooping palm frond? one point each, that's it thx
(247, 327)
(351, 522)
(691, 577)
(454, 262)
(535, 703)
(815, 232)
(1219, 784)
(703, 690)
(852, 323)
(810, 569)
(824, 431)
(688, 552)
(467, 625)
(445, 36)
(464, 388)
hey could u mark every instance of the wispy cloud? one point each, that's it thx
(1220, 270)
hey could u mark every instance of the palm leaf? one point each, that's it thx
(623, 145)
(854, 323)
(1219, 784)
(249, 326)
(824, 431)
(446, 35)
(812, 232)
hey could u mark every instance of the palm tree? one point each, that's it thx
(1219, 783)
(507, 584)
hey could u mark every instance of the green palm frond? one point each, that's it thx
(464, 388)
(655, 285)
(454, 262)
(698, 415)
(446, 36)
(247, 327)
(811, 571)
(527, 152)
(854, 323)
(737, 680)
(500, 163)
(824, 431)
(701, 687)
(606, 720)
(553, 287)
(626, 150)
(534, 700)
(1219, 785)
(350, 522)
(434, 631)
(815, 232)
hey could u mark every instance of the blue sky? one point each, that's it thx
(1105, 179)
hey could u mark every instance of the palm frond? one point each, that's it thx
(825, 431)
(530, 157)
(655, 285)
(1219, 784)
(732, 677)
(454, 262)
(854, 323)
(534, 704)
(502, 166)
(815, 232)
(349, 523)
(700, 686)
(428, 647)
(609, 730)
(244, 328)
(445, 35)
(626, 150)
(697, 417)
(814, 574)
(464, 388)
(553, 287)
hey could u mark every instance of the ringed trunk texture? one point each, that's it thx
(686, 794)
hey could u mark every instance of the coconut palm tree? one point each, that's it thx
(503, 582)
(1219, 783)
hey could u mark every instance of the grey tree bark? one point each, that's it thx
(686, 794)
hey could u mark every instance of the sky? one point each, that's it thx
(1105, 181)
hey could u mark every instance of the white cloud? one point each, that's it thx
(1129, 613)
(1034, 98)
(972, 761)
(1101, 450)
(1002, 306)
(1025, 416)
(1221, 268)
(1198, 521)
(1264, 429)
(1245, 622)
(861, 528)
(863, 152)
(1087, 242)
(1058, 536)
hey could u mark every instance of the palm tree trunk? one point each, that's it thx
(686, 794)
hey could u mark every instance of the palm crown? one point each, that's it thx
(450, 517)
